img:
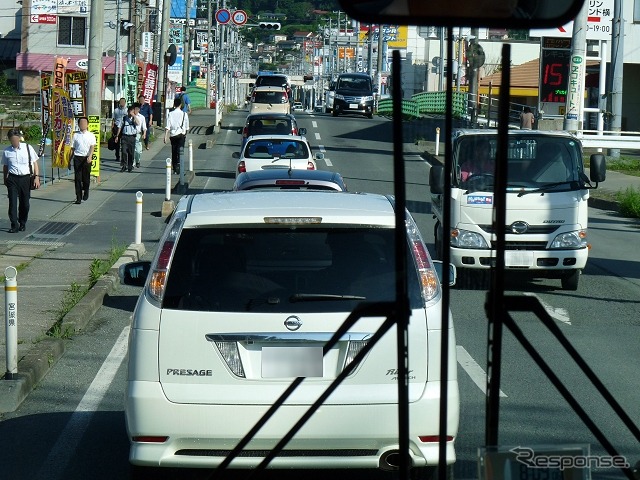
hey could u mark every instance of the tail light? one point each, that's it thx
(242, 167)
(429, 283)
(294, 130)
(310, 166)
(158, 275)
(245, 132)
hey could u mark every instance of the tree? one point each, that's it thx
(5, 88)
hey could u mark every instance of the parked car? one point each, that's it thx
(269, 99)
(263, 152)
(290, 179)
(243, 294)
(270, 124)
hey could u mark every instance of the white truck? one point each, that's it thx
(546, 217)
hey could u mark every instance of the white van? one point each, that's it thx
(245, 291)
(269, 99)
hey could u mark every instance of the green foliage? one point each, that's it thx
(629, 202)
(5, 88)
(32, 133)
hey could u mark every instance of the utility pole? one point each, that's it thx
(186, 63)
(617, 66)
(209, 50)
(94, 84)
(370, 51)
(575, 92)
(117, 85)
(473, 79)
(441, 62)
(162, 67)
(380, 60)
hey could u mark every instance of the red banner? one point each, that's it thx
(149, 83)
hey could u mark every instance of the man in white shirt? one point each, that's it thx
(177, 126)
(141, 128)
(84, 142)
(17, 177)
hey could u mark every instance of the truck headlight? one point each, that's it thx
(467, 239)
(570, 240)
(337, 96)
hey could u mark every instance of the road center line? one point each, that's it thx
(314, 123)
(67, 443)
(559, 314)
(475, 371)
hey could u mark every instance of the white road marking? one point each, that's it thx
(321, 148)
(315, 124)
(475, 371)
(328, 162)
(559, 314)
(317, 136)
(67, 443)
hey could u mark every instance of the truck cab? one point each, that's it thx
(547, 193)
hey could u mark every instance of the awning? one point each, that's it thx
(43, 62)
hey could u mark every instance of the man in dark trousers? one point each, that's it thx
(119, 112)
(84, 142)
(17, 178)
(147, 112)
(127, 135)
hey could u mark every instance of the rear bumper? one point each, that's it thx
(337, 436)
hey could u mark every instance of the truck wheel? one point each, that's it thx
(437, 241)
(327, 110)
(570, 282)
(369, 115)
(334, 112)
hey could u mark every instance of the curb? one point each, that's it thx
(33, 367)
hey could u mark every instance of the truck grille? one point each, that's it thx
(522, 245)
(350, 99)
(532, 230)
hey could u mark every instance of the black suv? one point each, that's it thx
(353, 93)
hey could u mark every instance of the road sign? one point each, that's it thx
(223, 16)
(599, 19)
(239, 17)
(44, 18)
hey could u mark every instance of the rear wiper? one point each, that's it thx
(320, 297)
(545, 188)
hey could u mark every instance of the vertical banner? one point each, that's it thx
(59, 69)
(140, 64)
(94, 127)
(45, 109)
(149, 82)
(131, 83)
(62, 123)
(77, 88)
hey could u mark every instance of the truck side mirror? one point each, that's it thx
(239, 130)
(436, 179)
(302, 131)
(597, 168)
(235, 155)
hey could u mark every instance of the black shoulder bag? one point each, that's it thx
(32, 177)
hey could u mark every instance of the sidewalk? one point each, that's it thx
(59, 245)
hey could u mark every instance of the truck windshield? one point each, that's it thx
(534, 163)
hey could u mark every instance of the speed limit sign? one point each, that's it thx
(239, 17)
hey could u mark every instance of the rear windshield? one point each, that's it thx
(283, 269)
(276, 148)
(271, 81)
(270, 97)
(269, 126)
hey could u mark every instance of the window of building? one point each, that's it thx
(72, 31)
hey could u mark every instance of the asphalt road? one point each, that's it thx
(72, 425)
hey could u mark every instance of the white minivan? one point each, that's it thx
(244, 293)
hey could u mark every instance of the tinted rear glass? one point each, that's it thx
(268, 126)
(271, 81)
(270, 97)
(276, 148)
(282, 269)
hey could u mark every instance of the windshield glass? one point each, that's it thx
(354, 83)
(282, 270)
(534, 162)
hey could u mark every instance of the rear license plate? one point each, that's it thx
(518, 258)
(353, 106)
(285, 362)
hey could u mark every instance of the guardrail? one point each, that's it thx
(609, 139)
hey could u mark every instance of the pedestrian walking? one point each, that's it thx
(127, 137)
(177, 126)
(84, 143)
(20, 172)
(118, 114)
(526, 119)
(186, 101)
(141, 132)
(147, 113)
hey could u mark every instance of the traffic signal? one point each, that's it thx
(270, 25)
